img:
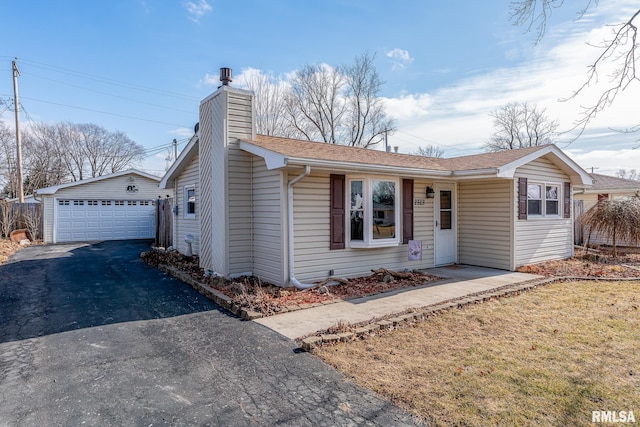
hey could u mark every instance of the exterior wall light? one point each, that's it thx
(430, 193)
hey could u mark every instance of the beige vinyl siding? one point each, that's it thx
(313, 259)
(114, 188)
(240, 116)
(484, 223)
(546, 238)
(239, 211)
(48, 219)
(181, 225)
(211, 167)
(239, 192)
(268, 224)
(225, 178)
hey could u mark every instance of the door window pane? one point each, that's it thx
(445, 210)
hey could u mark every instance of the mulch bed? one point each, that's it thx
(596, 263)
(253, 294)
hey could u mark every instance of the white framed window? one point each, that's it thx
(190, 202)
(374, 212)
(543, 199)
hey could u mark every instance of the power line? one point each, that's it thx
(107, 80)
(104, 112)
(108, 94)
(421, 138)
(147, 152)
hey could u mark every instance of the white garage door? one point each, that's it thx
(80, 220)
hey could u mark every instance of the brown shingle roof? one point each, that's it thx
(489, 160)
(606, 182)
(340, 153)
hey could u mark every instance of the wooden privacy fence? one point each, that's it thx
(578, 229)
(15, 216)
(164, 222)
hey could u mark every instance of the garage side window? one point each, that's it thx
(543, 200)
(190, 202)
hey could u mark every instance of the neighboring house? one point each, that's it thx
(27, 199)
(292, 212)
(604, 188)
(118, 206)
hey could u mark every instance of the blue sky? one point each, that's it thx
(142, 66)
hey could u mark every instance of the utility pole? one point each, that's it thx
(16, 73)
(175, 149)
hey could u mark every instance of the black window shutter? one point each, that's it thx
(522, 198)
(407, 210)
(567, 200)
(336, 214)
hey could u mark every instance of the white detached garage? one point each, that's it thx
(119, 206)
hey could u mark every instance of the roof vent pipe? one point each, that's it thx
(225, 76)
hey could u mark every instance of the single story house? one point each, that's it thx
(292, 212)
(118, 206)
(604, 187)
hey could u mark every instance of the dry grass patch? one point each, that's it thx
(546, 357)
(7, 248)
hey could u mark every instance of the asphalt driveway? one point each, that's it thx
(90, 335)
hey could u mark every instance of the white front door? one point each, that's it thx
(446, 248)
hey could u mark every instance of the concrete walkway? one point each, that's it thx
(459, 280)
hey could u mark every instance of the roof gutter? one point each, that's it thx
(292, 278)
(350, 166)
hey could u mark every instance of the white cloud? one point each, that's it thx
(606, 162)
(408, 105)
(457, 117)
(211, 79)
(183, 132)
(197, 10)
(400, 58)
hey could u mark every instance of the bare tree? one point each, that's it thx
(314, 105)
(429, 151)
(627, 174)
(43, 165)
(364, 118)
(8, 160)
(520, 125)
(7, 218)
(337, 105)
(270, 106)
(63, 152)
(67, 142)
(617, 52)
(89, 150)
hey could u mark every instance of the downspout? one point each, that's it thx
(292, 277)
